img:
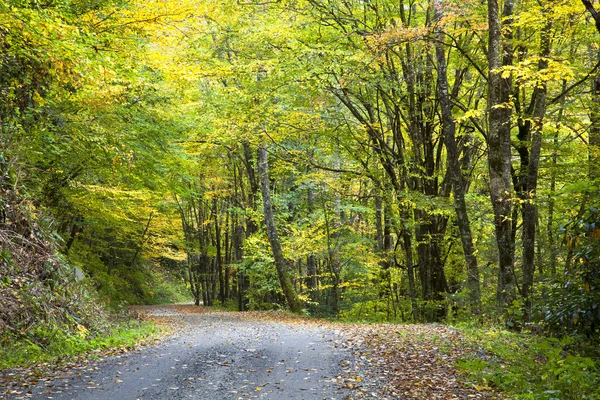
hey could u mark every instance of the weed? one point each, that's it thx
(529, 367)
(52, 345)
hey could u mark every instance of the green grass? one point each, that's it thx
(524, 366)
(55, 346)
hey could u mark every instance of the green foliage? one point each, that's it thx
(229, 305)
(54, 343)
(147, 283)
(264, 291)
(38, 289)
(529, 367)
(129, 132)
(572, 309)
(375, 311)
(572, 305)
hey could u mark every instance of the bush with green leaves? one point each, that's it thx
(38, 289)
(573, 305)
(529, 367)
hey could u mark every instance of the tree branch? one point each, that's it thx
(590, 7)
(579, 82)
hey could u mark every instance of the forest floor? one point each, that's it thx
(225, 355)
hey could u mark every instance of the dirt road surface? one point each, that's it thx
(214, 356)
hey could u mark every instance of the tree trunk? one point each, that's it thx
(227, 262)
(458, 184)
(407, 245)
(594, 135)
(143, 240)
(251, 227)
(550, 226)
(311, 272)
(281, 263)
(311, 261)
(499, 156)
(219, 258)
(332, 261)
(378, 220)
(530, 211)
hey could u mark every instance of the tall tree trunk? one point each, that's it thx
(386, 251)
(378, 219)
(311, 261)
(332, 261)
(227, 242)
(499, 155)
(251, 227)
(206, 299)
(192, 264)
(594, 131)
(219, 258)
(408, 251)
(281, 263)
(550, 227)
(530, 210)
(247, 160)
(453, 161)
(238, 256)
(195, 289)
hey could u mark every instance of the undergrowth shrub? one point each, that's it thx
(149, 282)
(39, 295)
(572, 304)
(530, 367)
(61, 344)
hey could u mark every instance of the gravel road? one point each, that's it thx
(215, 356)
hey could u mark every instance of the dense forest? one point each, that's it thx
(373, 160)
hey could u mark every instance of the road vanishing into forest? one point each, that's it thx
(213, 356)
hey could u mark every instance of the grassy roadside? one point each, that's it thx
(62, 345)
(525, 366)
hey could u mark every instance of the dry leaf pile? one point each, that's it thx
(411, 361)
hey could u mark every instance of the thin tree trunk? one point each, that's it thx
(378, 219)
(227, 256)
(551, 203)
(219, 259)
(281, 263)
(311, 261)
(332, 261)
(142, 240)
(311, 272)
(251, 227)
(530, 210)
(550, 226)
(408, 251)
(458, 184)
(594, 131)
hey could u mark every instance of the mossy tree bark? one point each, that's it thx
(499, 150)
(281, 264)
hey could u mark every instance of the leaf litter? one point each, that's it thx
(409, 361)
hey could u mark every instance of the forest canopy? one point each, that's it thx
(369, 160)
